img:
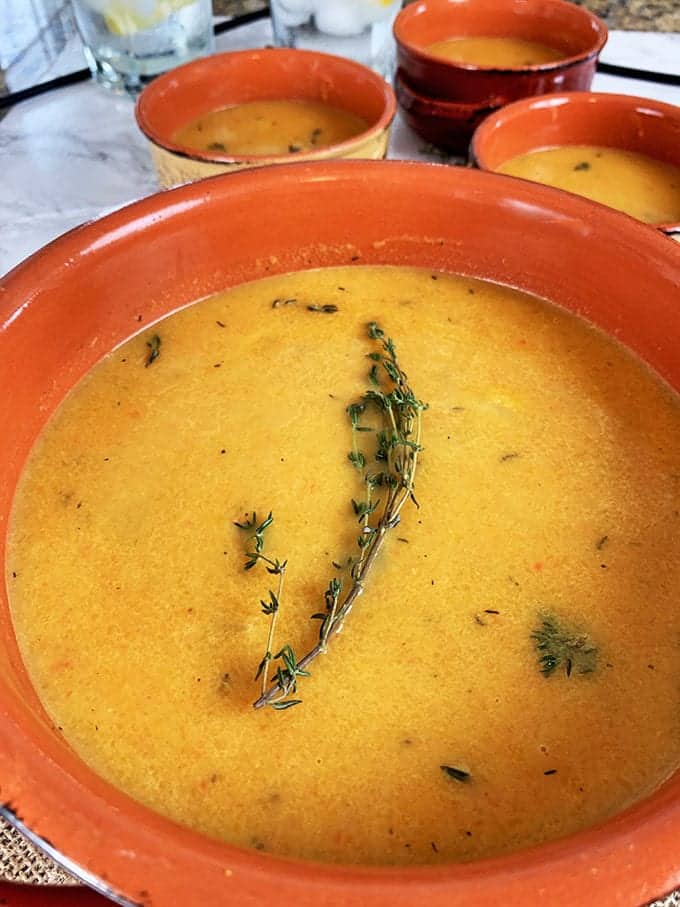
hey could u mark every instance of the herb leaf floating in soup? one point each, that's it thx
(397, 430)
(559, 646)
(154, 350)
(141, 631)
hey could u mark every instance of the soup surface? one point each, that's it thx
(634, 183)
(270, 127)
(495, 51)
(510, 673)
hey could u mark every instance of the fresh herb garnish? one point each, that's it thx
(560, 646)
(271, 607)
(398, 414)
(155, 350)
(329, 308)
(456, 773)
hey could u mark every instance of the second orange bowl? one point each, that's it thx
(268, 74)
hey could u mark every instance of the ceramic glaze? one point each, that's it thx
(548, 485)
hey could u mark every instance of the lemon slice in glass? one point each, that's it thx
(126, 18)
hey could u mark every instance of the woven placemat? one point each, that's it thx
(20, 861)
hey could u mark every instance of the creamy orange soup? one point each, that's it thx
(270, 127)
(494, 51)
(634, 183)
(510, 673)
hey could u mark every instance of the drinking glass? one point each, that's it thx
(359, 29)
(129, 42)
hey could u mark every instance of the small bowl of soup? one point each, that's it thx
(618, 150)
(266, 106)
(486, 53)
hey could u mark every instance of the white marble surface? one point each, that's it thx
(75, 153)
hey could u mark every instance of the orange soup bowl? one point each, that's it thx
(268, 74)
(70, 304)
(580, 118)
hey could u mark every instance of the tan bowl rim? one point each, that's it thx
(336, 150)
(563, 62)
(559, 99)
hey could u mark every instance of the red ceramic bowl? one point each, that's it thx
(67, 306)
(446, 124)
(580, 118)
(559, 24)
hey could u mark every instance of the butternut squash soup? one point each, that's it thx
(509, 510)
(494, 51)
(270, 128)
(633, 183)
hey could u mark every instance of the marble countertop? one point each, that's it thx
(75, 153)
(638, 15)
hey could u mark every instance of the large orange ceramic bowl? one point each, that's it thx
(70, 304)
(266, 74)
(580, 118)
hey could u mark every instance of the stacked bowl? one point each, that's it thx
(460, 60)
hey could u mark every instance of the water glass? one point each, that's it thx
(359, 29)
(129, 42)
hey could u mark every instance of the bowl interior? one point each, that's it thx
(561, 25)
(211, 83)
(579, 118)
(65, 308)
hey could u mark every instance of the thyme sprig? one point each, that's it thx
(398, 415)
(271, 608)
(560, 646)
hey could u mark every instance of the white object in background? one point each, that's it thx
(359, 29)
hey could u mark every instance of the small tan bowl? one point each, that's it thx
(195, 89)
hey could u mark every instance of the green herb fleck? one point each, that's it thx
(582, 165)
(217, 146)
(561, 646)
(456, 773)
(155, 350)
(328, 309)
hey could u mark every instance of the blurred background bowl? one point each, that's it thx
(224, 80)
(575, 33)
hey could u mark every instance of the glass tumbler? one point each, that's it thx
(129, 42)
(359, 29)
